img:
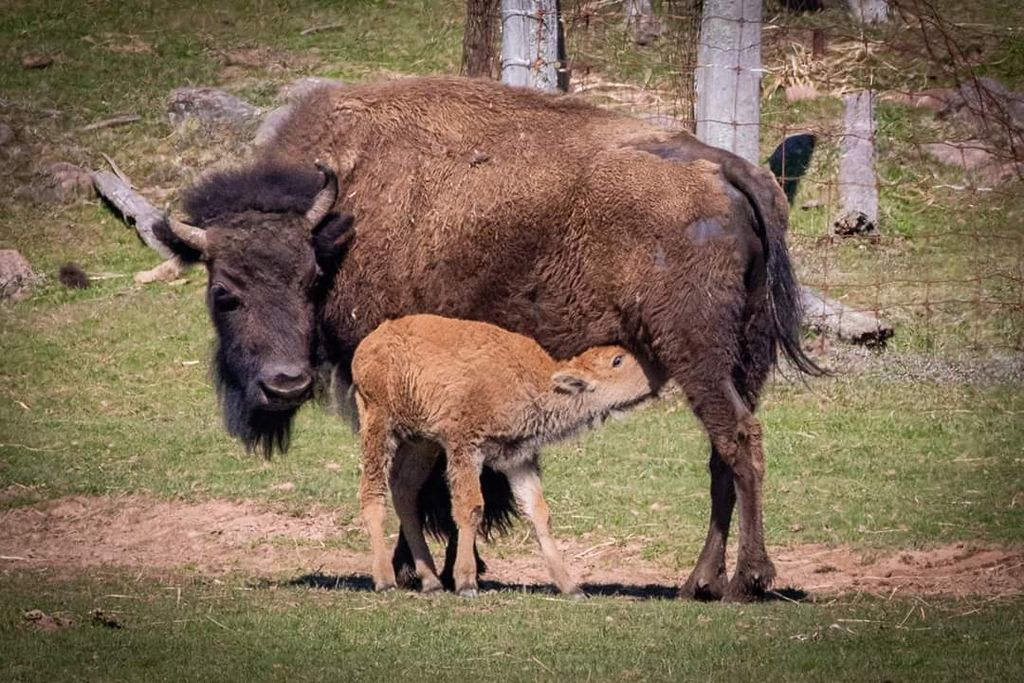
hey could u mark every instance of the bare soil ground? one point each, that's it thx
(220, 536)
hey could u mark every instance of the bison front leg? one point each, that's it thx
(526, 487)
(464, 465)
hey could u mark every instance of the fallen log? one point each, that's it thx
(136, 210)
(829, 316)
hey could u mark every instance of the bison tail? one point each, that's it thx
(771, 213)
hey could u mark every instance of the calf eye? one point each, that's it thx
(223, 299)
(617, 361)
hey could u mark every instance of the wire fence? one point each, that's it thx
(945, 265)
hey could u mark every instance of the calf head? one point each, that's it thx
(606, 379)
(270, 244)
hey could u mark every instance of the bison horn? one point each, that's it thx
(190, 235)
(325, 198)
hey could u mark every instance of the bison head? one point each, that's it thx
(270, 243)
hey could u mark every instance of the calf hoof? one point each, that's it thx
(384, 586)
(576, 593)
(430, 584)
(469, 592)
(706, 587)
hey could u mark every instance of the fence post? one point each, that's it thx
(728, 76)
(529, 43)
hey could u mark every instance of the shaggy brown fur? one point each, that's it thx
(580, 228)
(72, 276)
(487, 396)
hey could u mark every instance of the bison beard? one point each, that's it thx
(259, 430)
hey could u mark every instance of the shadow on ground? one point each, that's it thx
(362, 583)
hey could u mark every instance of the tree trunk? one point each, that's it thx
(829, 316)
(728, 89)
(478, 39)
(858, 187)
(529, 43)
(869, 11)
(641, 21)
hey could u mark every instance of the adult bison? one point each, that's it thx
(544, 215)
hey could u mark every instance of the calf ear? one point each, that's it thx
(568, 382)
(331, 239)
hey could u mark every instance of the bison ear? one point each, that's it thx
(571, 382)
(330, 241)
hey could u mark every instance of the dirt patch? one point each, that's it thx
(221, 536)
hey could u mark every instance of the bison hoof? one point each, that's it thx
(384, 586)
(704, 587)
(751, 582)
(470, 592)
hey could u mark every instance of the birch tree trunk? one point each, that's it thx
(858, 184)
(529, 43)
(869, 11)
(478, 38)
(728, 76)
(641, 21)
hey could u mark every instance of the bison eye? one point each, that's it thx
(617, 361)
(223, 299)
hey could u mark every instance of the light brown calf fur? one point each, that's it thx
(485, 395)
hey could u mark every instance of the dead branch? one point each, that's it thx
(134, 208)
(122, 120)
(832, 317)
(322, 27)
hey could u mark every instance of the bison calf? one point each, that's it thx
(486, 396)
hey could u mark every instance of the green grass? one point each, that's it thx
(186, 629)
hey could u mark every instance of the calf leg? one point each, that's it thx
(464, 465)
(411, 470)
(378, 450)
(525, 482)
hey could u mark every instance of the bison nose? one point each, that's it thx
(286, 383)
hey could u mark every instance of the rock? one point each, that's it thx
(63, 182)
(16, 276)
(970, 154)
(6, 134)
(209, 106)
(993, 110)
(935, 99)
(297, 89)
(270, 123)
(798, 92)
(167, 271)
(985, 166)
(36, 60)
